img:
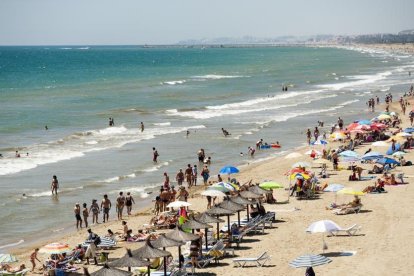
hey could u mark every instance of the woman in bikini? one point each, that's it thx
(128, 203)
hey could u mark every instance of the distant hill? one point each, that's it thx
(407, 32)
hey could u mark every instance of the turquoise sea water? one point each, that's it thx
(75, 90)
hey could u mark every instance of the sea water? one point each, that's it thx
(75, 90)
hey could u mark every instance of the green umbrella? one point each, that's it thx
(270, 185)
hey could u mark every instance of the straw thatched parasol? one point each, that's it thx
(232, 206)
(205, 218)
(241, 200)
(249, 194)
(129, 261)
(164, 242)
(218, 211)
(107, 271)
(178, 235)
(257, 190)
(194, 224)
(148, 251)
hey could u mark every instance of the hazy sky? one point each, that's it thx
(81, 22)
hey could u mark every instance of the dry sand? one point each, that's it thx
(384, 246)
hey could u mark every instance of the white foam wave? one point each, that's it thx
(93, 142)
(156, 167)
(361, 80)
(11, 244)
(83, 48)
(218, 77)
(162, 124)
(174, 82)
(112, 130)
(111, 179)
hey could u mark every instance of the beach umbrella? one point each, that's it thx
(403, 134)
(297, 170)
(337, 136)
(320, 142)
(55, 248)
(228, 186)
(364, 122)
(212, 192)
(129, 261)
(106, 270)
(309, 261)
(380, 144)
(205, 218)
(299, 176)
(352, 126)
(293, 155)
(163, 242)
(7, 258)
(350, 159)
(218, 211)
(228, 170)
(313, 152)
(232, 206)
(194, 224)
(323, 226)
(378, 125)
(178, 235)
(384, 117)
(270, 185)
(148, 251)
(350, 191)
(178, 204)
(348, 153)
(243, 201)
(386, 160)
(398, 153)
(409, 130)
(221, 188)
(301, 165)
(249, 194)
(257, 190)
(372, 155)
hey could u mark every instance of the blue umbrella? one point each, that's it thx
(309, 261)
(348, 153)
(334, 188)
(320, 142)
(372, 155)
(386, 160)
(409, 130)
(397, 147)
(364, 122)
(229, 170)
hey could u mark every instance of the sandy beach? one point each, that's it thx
(382, 247)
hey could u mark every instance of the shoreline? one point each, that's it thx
(143, 214)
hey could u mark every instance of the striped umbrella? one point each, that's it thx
(309, 261)
(55, 248)
(7, 258)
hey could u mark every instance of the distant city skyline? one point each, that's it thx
(128, 22)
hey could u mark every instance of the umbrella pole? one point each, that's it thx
(149, 268)
(238, 217)
(228, 224)
(179, 256)
(165, 264)
(247, 212)
(206, 230)
(218, 231)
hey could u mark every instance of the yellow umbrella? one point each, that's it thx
(396, 138)
(337, 135)
(350, 191)
(384, 117)
(304, 175)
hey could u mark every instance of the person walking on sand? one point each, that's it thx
(129, 200)
(180, 177)
(33, 258)
(55, 185)
(189, 175)
(120, 204)
(206, 174)
(85, 214)
(106, 206)
(77, 211)
(308, 136)
(195, 171)
(95, 211)
(154, 155)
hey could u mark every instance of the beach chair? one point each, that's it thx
(19, 273)
(257, 261)
(350, 231)
(348, 210)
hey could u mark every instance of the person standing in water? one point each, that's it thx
(106, 206)
(154, 155)
(85, 214)
(77, 211)
(55, 185)
(142, 127)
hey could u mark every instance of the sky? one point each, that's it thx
(128, 22)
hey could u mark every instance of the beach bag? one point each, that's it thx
(97, 240)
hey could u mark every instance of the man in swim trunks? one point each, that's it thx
(189, 175)
(120, 204)
(106, 206)
(154, 155)
(77, 211)
(180, 177)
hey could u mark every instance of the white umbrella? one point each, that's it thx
(301, 164)
(293, 155)
(398, 153)
(213, 193)
(323, 226)
(178, 204)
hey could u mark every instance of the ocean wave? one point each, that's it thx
(360, 80)
(217, 77)
(78, 144)
(156, 167)
(83, 48)
(174, 82)
(162, 124)
(11, 244)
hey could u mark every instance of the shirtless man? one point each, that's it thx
(189, 175)
(33, 258)
(308, 135)
(77, 211)
(105, 207)
(55, 185)
(120, 204)
(154, 155)
(180, 177)
(165, 199)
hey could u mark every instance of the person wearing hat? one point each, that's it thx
(93, 239)
(77, 211)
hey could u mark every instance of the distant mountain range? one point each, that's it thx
(406, 36)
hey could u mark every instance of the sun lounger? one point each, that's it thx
(19, 273)
(350, 231)
(257, 261)
(348, 210)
